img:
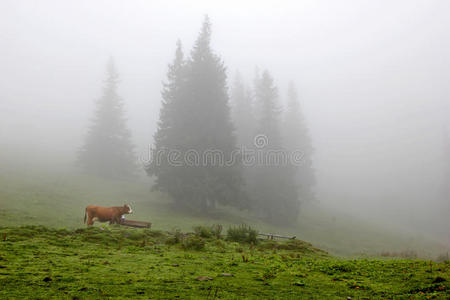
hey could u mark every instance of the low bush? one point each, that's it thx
(193, 243)
(209, 232)
(242, 234)
(409, 254)
(203, 231)
(220, 244)
(174, 237)
(216, 230)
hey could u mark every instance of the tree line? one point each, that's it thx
(198, 116)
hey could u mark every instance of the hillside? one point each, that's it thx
(57, 199)
(46, 251)
(140, 264)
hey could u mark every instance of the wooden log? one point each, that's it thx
(270, 236)
(137, 224)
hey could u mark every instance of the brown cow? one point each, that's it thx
(105, 214)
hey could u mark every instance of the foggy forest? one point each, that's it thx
(308, 138)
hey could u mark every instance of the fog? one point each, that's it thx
(373, 79)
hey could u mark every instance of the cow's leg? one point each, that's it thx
(90, 221)
(114, 220)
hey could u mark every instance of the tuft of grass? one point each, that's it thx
(293, 245)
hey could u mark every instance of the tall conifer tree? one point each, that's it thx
(273, 189)
(200, 123)
(165, 138)
(297, 139)
(242, 111)
(108, 150)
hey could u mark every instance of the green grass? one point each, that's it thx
(47, 252)
(57, 199)
(41, 263)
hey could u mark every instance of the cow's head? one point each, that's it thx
(128, 209)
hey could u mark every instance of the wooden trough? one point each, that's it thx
(137, 224)
(270, 236)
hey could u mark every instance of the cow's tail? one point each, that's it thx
(85, 216)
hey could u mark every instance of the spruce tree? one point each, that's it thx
(165, 138)
(108, 151)
(268, 110)
(297, 139)
(200, 122)
(242, 111)
(273, 188)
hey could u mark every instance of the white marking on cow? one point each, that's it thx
(94, 219)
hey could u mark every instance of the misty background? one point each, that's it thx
(373, 80)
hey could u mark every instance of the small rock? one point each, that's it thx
(175, 265)
(203, 278)
(349, 298)
(226, 275)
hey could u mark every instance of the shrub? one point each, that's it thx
(409, 254)
(220, 244)
(216, 230)
(193, 243)
(208, 232)
(203, 231)
(242, 234)
(175, 238)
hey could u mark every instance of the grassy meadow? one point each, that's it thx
(47, 252)
(41, 263)
(57, 199)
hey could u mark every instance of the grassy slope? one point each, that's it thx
(36, 262)
(57, 199)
